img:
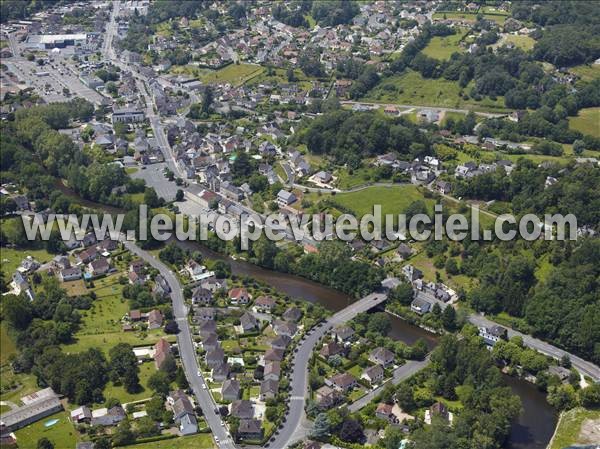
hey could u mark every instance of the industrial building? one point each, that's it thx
(50, 41)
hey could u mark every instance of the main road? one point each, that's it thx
(187, 351)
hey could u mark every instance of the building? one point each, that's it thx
(420, 306)
(248, 322)
(343, 382)
(343, 333)
(330, 349)
(327, 397)
(202, 296)
(373, 374)
(285, 198)
(127, 115)
(250, 429)
(98, 267)
(155, 319)
(36, 406)
(162, 349)
(491, 335)
(272, 370)
(108, 417)
(50, 41)
(264, 304)
(285, 328)
(239, 296)
(268, 389)
(242, 409)
(230, 390)
(382, 356)
(215, 357)
(81, 414)
(293, 314)
(384, 411)
(273, 355)
(70, 274)
(183, 412)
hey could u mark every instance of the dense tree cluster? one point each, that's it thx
(334, 12)
(292, 13)
(350, 137)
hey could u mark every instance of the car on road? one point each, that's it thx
(216, 439)
(204, 386)
(199, 373)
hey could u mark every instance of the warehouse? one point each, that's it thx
(49, 41)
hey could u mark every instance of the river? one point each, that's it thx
(533, 429)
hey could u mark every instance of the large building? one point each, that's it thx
(50, 41)
(127, 115)
(37, 406)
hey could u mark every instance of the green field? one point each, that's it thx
(118, 392)
(412, 89)
(499, 18)
(393, 200)
(279, 76)
(236, 74)
(569, 428)
(62, 434)
(522, 42)
(199, 441)
(587, 72)
(587, 121)
(442, 47)
(11, 258)
(7, 345)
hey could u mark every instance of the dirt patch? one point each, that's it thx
(590, 431)
(75, 288)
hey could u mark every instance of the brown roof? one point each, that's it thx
(162, 349)
(135, 314)
(343, 380)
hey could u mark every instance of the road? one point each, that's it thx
(583, 366)
(187, 351)
(292, 429)
(401, 373)
(438, 108)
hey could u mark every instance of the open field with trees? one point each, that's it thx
(570, 431)
(587, 121)
(442, 47)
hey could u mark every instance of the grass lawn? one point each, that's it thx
(231, 346)
(442, 47)
(62, 434)
(236, 74)
(7, 345)
(569, 430)
(108, 340)
(587, 72)
(199, 441)
(523, 42)
(587, 121)
(118, 392)
(356, 371)
(498, 17)
(131, 170)
(11, 258)
(14, 386)
(279, 76)
(107, 310)
(356, 394)
(412, 89)
(393, 200)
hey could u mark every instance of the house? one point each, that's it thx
(61, 262)
(382, 356)
(560, 371)
(404, 251)
(108, 245)
(38, 406)
(327, 397)
(248, 322)
(230, 191)
(161, 286)
(285, 328)
(202, 295)
(162, 349)
(221, 372)
(239, 296)
(99, 266)
(264, 304)
(273, 355)
(420, 306)
(155, 319)
(210, 342)
(444, 187)
(250, 429)
(281, 342)
(293, 314)
(272, 370)
(343, 333)
(204, 314)
(411, 273)
(127, 115)
(491, 335)
(134, 278)
(323, 177)
(70, 274)
(242, 409)
(439, 410)
(373, 374)
(208, 327)
(384, 411)
(215, 357)
(212, 284)
(108, 417)
(81, 414)
(285, 198)
(137, 266)
(87, 255)
(330, 349)
(230, 390)
(268, 389)
(343, 382)
(183, 412)
(197, 271)
(134, 315)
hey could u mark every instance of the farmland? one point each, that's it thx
(587, 121)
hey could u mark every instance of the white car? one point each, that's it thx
(204, 386)
(216, 439)
(199, 373)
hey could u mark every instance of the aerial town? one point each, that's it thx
(300, 109)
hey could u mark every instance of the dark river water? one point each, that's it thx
(532, 430)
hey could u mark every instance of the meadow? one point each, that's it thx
(587, 121)
(442, 47)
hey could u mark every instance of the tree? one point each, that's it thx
(404, 397)
(321, 427)
(562, 397)
(169, 366)
(172, 327)
(578, 147)
(404, 294)
(449, 318)
(590, 396)
(159, 382)
(155, 407)
(124, 367)
(44, 443)
(179, 195)
(379, 323)
(123, 435)
(352, 431)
